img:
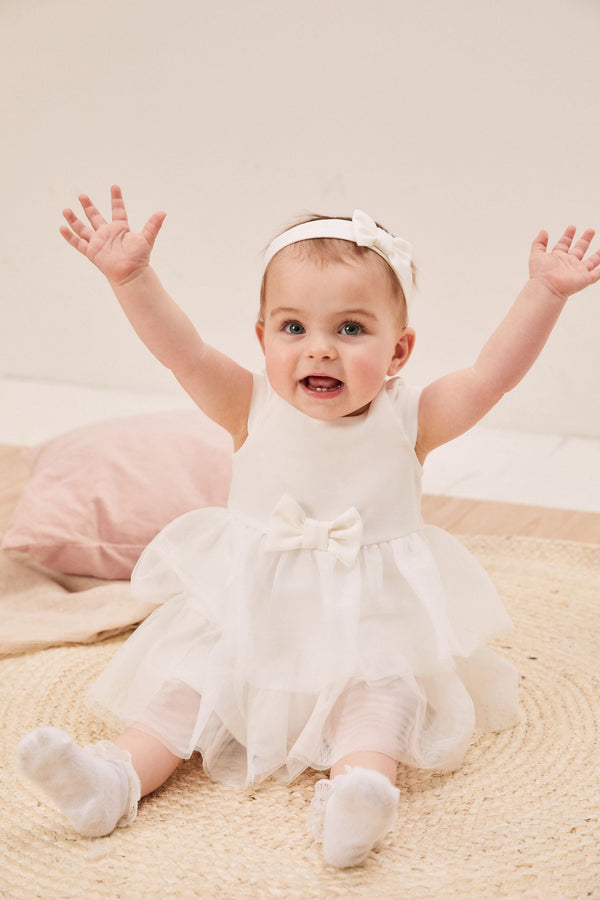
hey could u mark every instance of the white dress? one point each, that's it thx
(316, 615)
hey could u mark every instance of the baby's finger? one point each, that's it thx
(78, 243)
(119, 213)
(94, 216)
(79, 227)
(540, 244)
(582, 245)
(153, 226)
(593, 262)
(566, 240)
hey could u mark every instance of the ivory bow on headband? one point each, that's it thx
(362, 230)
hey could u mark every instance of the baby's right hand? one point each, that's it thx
(119, 253)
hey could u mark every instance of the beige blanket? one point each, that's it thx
(39, 608)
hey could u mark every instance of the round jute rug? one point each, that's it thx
(520, 818)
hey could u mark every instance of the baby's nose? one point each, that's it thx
(321, 347)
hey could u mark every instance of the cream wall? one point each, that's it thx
(465, 126)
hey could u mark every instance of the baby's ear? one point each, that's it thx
(259, 328)
(404, 348)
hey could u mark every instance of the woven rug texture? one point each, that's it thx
(519, 819)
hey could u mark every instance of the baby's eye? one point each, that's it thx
(351, 328)
(293, 328)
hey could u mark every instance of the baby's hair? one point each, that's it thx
(326, 250)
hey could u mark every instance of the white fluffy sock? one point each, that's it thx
(96, 788)
(359, 812)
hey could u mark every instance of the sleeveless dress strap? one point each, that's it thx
(404, 399)
(261, 391)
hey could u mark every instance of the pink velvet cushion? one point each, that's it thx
(100, 493)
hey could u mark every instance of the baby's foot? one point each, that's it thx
(359, 812)
(94, 793)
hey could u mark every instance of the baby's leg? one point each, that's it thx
(368, 759)
(152, 762)
(358, 806)
(97, 787)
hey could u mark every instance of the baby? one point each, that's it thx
(316, 622)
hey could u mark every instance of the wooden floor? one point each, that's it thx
(486, 517)
(455, 515)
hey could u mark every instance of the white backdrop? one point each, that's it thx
(464, 126)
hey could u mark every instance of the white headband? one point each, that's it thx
(363, 231)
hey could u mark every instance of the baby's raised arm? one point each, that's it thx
(454, 403)
(220, 387)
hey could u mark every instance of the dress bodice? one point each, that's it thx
(367, 462)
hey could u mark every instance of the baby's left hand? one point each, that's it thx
(564, 270)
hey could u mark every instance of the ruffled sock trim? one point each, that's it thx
(108, 751)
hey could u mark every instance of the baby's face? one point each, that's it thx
(331, 334)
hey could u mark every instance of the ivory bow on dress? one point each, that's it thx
(291, 529)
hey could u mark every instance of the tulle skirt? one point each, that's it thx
(271, 662)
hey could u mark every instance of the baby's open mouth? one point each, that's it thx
(321, 383)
